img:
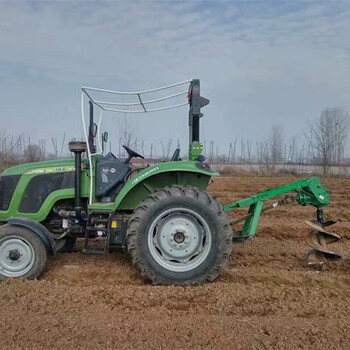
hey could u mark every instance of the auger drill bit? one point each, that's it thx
(318, 240)
(320, 219)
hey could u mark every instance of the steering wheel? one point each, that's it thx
(133, 154)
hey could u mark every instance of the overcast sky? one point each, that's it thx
(261, 63)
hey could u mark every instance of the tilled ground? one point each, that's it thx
(267, 298)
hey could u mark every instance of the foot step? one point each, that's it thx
(93, 252)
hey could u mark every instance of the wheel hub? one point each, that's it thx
(14, 255)
(178, 238)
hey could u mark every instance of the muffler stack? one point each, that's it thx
(318, 239)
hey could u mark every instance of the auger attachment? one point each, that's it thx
(319, 238)
(309, 192)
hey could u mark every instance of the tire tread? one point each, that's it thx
(225, 233)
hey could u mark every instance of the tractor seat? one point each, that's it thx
(111, 174)
(176, 155)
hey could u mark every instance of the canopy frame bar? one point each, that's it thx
(102, 105)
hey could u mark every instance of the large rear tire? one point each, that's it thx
(179, 235)
(22, 253)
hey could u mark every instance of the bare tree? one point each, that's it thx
(242, 151)
(232, 152)
(265, 153)
(166, 148)
(327, 137)
(211, 151)
(33, 153)
(258, 154)
(276, 144)
(249, 151)
(63, 145)
(163, 148)
(128, 135)
(55, 147)
(292, 150)
(229, 153)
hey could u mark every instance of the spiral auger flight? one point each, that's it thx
(319, 239)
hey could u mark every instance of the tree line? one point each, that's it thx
(323, 142)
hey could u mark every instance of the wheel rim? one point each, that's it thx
(179, 239)
(17, 256)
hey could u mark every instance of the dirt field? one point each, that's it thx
(266, 299)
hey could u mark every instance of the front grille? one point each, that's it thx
(7, 187)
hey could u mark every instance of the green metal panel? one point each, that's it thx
(310, 192)
(32, 167)
(313, 193)
(251, 223)
(161, 180)
(35, 170)
(184, 172)
(137, 188)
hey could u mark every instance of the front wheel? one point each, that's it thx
(179, 235)
(22, 253)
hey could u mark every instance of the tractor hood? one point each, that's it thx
(48, 164)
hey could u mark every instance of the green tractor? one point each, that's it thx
(175, 232)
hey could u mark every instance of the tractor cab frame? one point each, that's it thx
(95, 150)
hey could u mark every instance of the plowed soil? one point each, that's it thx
(267, 298)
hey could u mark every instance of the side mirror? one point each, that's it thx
(105, 136)
(94, 129)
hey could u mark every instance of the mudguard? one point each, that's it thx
(160, 175)
(38, 229)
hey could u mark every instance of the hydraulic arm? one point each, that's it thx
(309, 191)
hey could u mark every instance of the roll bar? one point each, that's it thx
(196, 102)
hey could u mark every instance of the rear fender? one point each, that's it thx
(158, 176)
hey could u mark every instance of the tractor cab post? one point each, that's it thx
(196, 102)
(92, 129)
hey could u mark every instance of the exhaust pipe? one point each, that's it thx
(77, 147)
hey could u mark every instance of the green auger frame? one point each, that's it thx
(309, 192)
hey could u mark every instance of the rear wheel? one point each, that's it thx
(179, 235)
(22, 253)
